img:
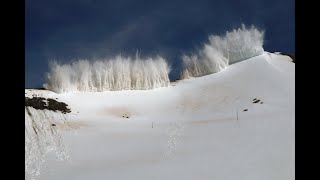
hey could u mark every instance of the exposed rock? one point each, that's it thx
(49, 104)
(256, 101)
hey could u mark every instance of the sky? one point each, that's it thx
(66, 30)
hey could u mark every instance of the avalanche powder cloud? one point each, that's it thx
(237, 45)
(127, 73)
(119, 73)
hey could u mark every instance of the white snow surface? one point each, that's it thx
(188, 130)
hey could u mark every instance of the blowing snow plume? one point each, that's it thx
(237, 45)
(119, 73)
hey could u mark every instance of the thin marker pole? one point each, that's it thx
(237, 114)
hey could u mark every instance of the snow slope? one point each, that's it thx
(188, 130)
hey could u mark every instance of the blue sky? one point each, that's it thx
(70, 29)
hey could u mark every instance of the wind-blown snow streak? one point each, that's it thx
(237, 45)
(41, 137)
(119, 73)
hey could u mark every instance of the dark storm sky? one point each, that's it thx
(68, 29)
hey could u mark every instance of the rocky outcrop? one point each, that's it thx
(49, 104)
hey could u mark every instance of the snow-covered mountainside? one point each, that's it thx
(238, 123)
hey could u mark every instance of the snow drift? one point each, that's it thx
(237, 45)
(119, 73)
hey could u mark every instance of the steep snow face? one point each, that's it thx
(119, 73)
(235, 124)
(235, 46)
(41, 137)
